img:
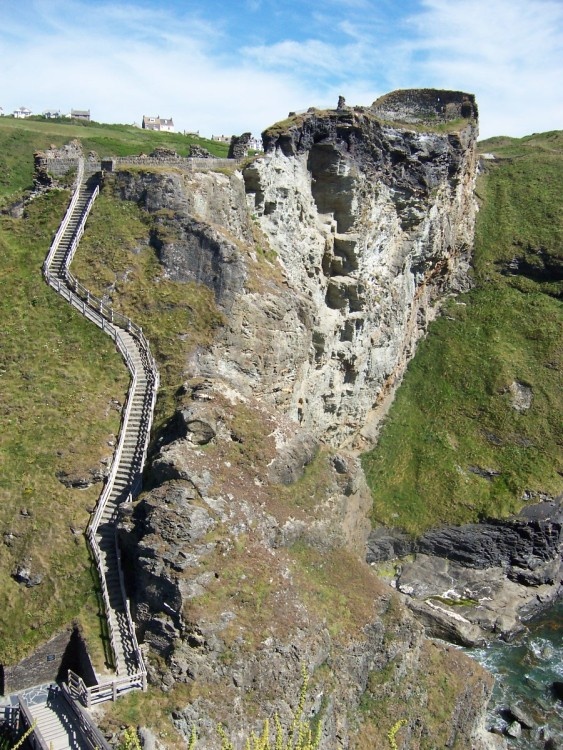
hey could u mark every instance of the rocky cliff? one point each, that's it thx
(328, 255)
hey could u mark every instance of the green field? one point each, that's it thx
(453, 448)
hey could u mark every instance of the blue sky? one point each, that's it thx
(226, 67)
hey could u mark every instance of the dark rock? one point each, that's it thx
(522, 544)
(198, 152)
(536, 264)
(239, 145)
(23, 574)
(388, 544)
(205, 256)
(489, 474)
(160, 152)
(81, 480)
(557, 689)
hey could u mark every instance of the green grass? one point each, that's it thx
(115, 257)
(452, 412)
(58, 375)
(19, 139)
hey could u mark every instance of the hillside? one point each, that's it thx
(48, 392)
(455, 448)
(245, 554)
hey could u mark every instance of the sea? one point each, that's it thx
(525, 670)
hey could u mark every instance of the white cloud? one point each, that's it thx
(112, 65)
(123, 60)
(508, 52)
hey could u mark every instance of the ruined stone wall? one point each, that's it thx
(425, 105)
(187, 163)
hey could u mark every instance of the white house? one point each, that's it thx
(163, 124)
(21, 113)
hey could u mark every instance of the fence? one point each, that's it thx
(95, 310)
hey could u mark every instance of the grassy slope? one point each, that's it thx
(55, 416)
(175, 316)
(452, 412)
(56, 412)
(20, 138)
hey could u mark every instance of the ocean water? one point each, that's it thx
(524, 672)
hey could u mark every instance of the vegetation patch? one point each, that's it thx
(58, 414)
(413, 708)
(116, 261)
(338, 587)
(455, 449)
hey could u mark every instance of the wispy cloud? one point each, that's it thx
(509, 52)
(249, 64)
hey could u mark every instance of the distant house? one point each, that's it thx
(162, 124)
(21, 113)
(50, 114)
(80, 114)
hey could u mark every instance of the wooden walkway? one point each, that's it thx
(59, 721)
(125, 475)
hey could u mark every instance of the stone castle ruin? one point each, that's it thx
(425, 106)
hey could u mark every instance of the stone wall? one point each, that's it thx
(60, 165)
(50, 662)
(184, 163)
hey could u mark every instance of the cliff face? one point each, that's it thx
(373, 225)
(328, 256)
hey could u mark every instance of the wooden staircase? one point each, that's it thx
(124, 480)
(58, 723)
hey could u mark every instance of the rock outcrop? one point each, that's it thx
(328, 256)
(468, 582)
(372, 224)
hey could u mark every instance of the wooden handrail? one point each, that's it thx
(110, 322)
(67, 216)
(89, 731)
(35, 739)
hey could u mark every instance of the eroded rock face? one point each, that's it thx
(473, 581)
(245, 555)
(372, 224)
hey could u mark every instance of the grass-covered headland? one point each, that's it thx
(455, 449)
(61, 386)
